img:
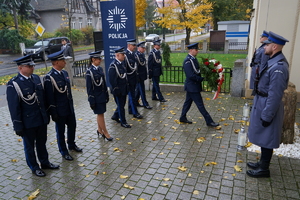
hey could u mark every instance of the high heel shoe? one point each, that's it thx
(104, 136)
(98, 133)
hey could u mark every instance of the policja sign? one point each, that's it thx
(118, 25)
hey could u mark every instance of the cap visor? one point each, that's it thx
(267, 41)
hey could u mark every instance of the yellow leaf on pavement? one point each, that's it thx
(162, 137)
(173, 127)
(213, 163)
(154, 139)
(201, 171)
(239, 161)
(79, 119)
(81, 165)
(166, 185)
(196, 192)
(123, 176)
(257, 151)
(127, 186)
(96, 173)
(19, 140)
(123, 197)
(201, 139)
(248, 144)
(219, 137)
(189, 174)
(149, 122)
(182, 168)
(218, 127)
(237, 168)
(34, 194)
(176, 142)
(165, 179)
(14, 160)
(103, 172)
(129, 143)
(233, 174)
(236, 131)
(87, 175)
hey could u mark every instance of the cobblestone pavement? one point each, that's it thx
(151, 165)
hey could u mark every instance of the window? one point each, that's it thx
(80, 23)
(73, 22)
(89, 22)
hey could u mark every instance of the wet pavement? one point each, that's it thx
(158, 157)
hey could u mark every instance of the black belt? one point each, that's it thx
(261, 93)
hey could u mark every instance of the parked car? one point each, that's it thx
(151, 37)
(50, 45)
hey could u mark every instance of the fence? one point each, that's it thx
(176, 75)
(80, 67)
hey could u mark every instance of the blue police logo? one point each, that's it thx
(117, 18)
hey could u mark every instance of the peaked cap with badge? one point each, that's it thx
(57, 56)
(25, 60)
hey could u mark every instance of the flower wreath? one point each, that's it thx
(212, 71)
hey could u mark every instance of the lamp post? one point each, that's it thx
(163, 29)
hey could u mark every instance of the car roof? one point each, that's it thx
(55, 38)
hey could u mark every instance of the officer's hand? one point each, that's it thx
(150, 76)
(107, 99)
(93, 106)
(55, 117)
(265, 123)
(20, 133)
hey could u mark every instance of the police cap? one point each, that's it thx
(265, 34)
(193, 46)
(120, 50)
(25, 60)
(141, 44)
(131, 41)
(156, 42)
(275, 38)
(96, 54)
(57, 55)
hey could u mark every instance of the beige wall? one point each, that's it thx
(281, 17)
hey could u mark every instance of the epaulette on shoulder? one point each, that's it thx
(188, 61)
(280, 63)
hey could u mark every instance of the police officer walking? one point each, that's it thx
(97, 92)
(61, 108)
(131, 69)
(142, 76)
(266, 117)
(26, 103)
(259, 59)
(155, 70)
(119, 86)
(193, 87)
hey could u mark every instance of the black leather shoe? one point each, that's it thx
(39, 172)
(253, 165)
(163, 100)
(126, 125)
(67, 157)
(213, 124)
(116, 119)
(138, 116)
(259, 173)
(148, 107)
(155, 99)
(76, 148)
(50, 166)
(186, 121)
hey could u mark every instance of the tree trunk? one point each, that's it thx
(15, 18)
(188, 35)
(290, 105)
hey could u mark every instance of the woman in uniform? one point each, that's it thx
(97, 92)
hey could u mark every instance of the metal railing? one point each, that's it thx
(80, 67)
(176, 75)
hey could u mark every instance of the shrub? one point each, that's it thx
(77, 35)
(166, 54)
(88, 34)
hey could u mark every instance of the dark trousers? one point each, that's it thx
(140, 91)
(156, 88)
(266, 154)
(197, 98)
(35, 137)
(131, 100)
(120, 111)
(70, 121)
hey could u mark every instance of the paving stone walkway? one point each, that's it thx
(149, 155)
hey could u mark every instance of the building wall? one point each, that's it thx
(282, 18)
(51, 20)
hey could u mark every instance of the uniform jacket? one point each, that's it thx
(23, 115)
(141, 66)
(96, 93)
(259, 61)
(119, 86)
(60, 104)
(154, 65)
(68, 50)
(131, 75)
(193, 80)
(272, 82)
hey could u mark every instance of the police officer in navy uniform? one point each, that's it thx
(97, 92)
(259, 59)
(26, 103)
(119, 86)
(266, 117)
(131, 69)
(193, 87)
(60, 101)
(142, 75)
(155, 70)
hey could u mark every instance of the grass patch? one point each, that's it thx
(82, 48)
(40, 72)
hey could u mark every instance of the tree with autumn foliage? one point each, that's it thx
(140, 7)
(184, 14)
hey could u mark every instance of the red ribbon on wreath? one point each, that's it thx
(219, 69)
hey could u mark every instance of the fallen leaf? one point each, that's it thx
(19, 177)
(237, 168)
(213, 135)
(257, 151)
(166, 124)
(6, 124)
(222, 119)
(123, 197)
(166, 185)
(225, 176)
(176, 142)
(201, 171)
(225, 124)
(133, 150)
(240, 161)
(248, 144)
(198, 129)
(14, 160)
(239, 153)
(141, 199)
(116, 149)
(162, 137)
(207, 98)
(96, 173)
(87, 175)
(182, 168)
(129, 143)
(231, 118)
(81, 165)
(149, 122)
(201, 139)
(233, 174)
(79, 137)
(213, 163)
(218, 127)
(280, 155)
(127, 186)
(79, 119)
(161, 153)
(117, 138)
(34, 194)
(219, 137)
(19, 140)
(189, 174)
(154, 139)
(165, 179)
(236, 131)
(196, 192)
(123, 176)
(207, 164)
(103, 172)
(173, 127)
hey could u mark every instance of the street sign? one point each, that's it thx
(40, 29)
